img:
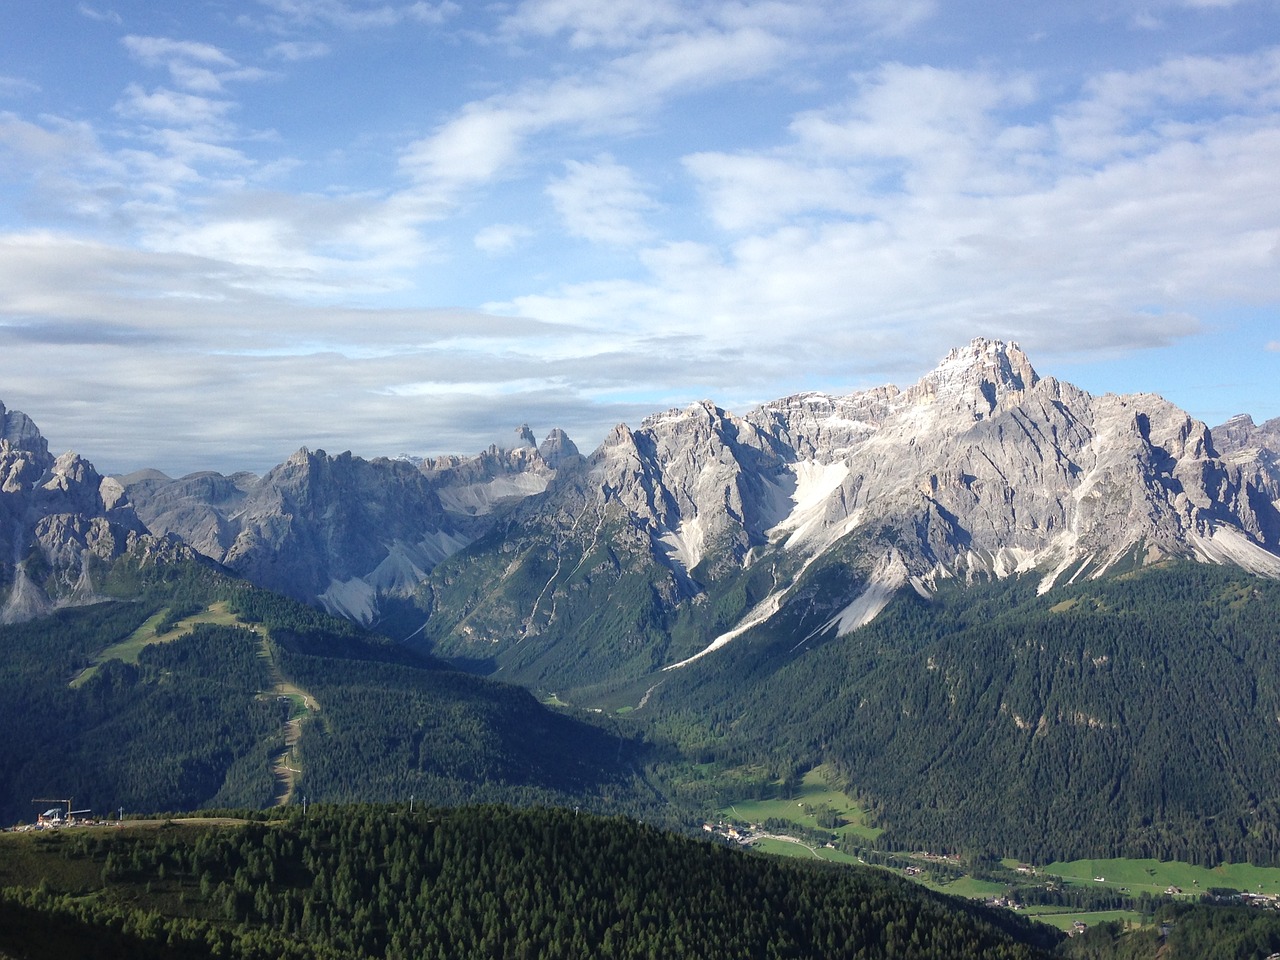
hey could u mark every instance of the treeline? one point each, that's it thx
(484, 882)
(194, 722)
(183, 727)
(1134, 716)
(1183, 932)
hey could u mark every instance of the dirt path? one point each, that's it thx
(286, 763)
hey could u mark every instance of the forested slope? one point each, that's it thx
(470, 882)
(1136, 715)
(95, 710)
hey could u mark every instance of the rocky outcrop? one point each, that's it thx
(698, 523)
(1255, 449)
(57, 516)
(342, 531)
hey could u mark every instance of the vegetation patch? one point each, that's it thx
(362, 882)
(813, 805)
(1154, 876)
(160, 627)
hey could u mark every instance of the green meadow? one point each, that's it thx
(815, 797)
(1153, 876)
(1065, 921)
(127, 650)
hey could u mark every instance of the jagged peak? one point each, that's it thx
(525, 437)
(557, 448)
(986, 361)
(978, 376)
(21, 432)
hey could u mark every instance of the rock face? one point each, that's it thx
(676, 537)
(57, 516)
(342, 531)
(981, 469)
(1255, 449)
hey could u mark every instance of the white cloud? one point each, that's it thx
(1125, 113)
(360, 16)
(744, 192)
(485, 139)
(160, 51)
(295, 50)
(501, 237)
(103, 16)
(602, 202)
(943, 210)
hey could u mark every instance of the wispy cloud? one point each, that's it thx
(501, 237)
(296, 50)
(170, 107)
(358, 16)
(486, 137)
(17, 86)
(102, 16)
(201, 67)
(602, 201)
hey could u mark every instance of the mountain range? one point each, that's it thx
(1007, 615)
(676, 537)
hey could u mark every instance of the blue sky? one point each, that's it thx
(228, 229)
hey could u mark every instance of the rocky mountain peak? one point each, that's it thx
(977, 378)
(525, 436)
(21, 433)
(557, 448)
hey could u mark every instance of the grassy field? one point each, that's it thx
(1152, 876)
(127, 650)
(966, 887)
(815, 795)
(1065, 921)
(794, 848)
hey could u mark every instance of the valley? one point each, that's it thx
(984, 623)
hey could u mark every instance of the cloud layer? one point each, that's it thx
(410, 226)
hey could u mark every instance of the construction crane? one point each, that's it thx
(70, 813)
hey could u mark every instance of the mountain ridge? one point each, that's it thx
(982, 468)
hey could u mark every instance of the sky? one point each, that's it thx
(231, 228)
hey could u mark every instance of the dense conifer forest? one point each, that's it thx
(1131, 716)
(364, 881)
(198, 721)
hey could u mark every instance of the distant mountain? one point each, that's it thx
(675, 537)
(899, 583)
(61, 525)
(342, 531)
